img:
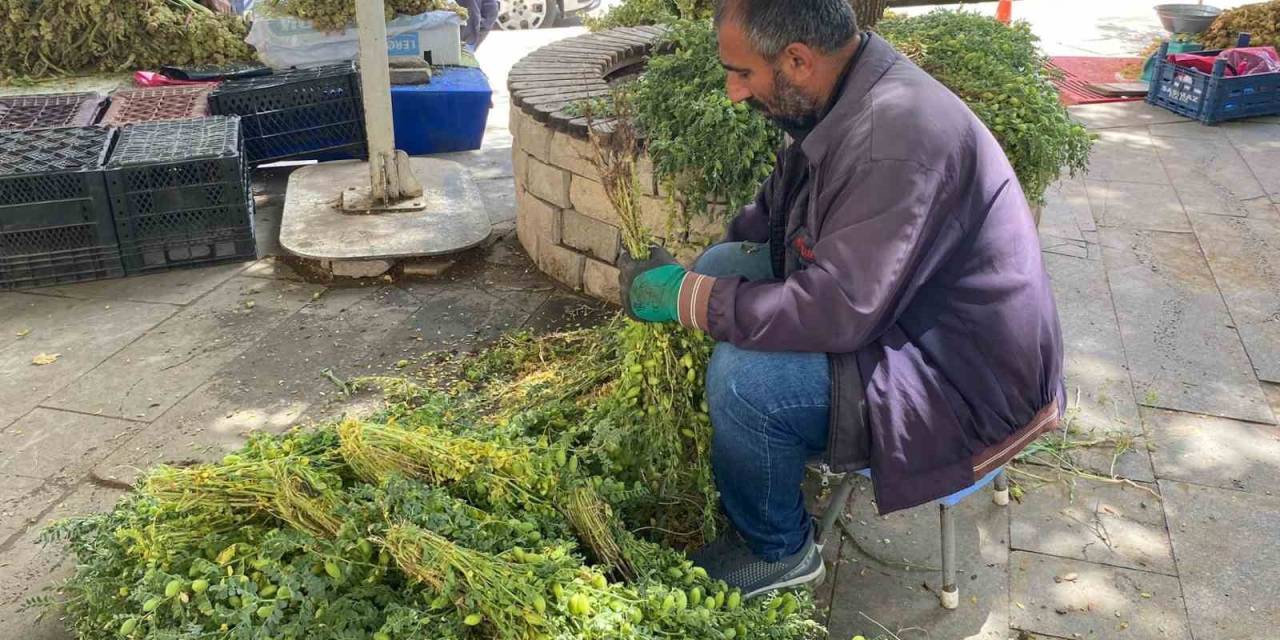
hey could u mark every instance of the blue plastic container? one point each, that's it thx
(448, 114)
(1213, 98)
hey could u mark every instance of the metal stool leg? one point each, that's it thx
(1001, 496)
(839, 500)
(950, 594)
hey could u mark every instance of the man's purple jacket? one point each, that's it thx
(911, 257)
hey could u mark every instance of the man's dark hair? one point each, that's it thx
(772, 25)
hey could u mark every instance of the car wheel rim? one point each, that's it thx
(522, 14)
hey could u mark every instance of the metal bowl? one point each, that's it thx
(1187, 18)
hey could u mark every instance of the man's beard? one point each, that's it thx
(791, 110)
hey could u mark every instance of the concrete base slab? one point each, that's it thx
(453, 218)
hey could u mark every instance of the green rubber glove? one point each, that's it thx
(651, 288)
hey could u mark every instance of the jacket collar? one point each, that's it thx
(870, 64)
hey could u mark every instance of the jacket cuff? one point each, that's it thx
(695, 295)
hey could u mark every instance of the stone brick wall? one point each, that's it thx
(563, 218)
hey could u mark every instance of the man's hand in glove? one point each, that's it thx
(654, 290)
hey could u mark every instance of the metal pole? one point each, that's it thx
(950, 595)
(375, 84)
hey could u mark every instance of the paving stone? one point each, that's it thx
(597, 239)
(565, 311)
(358, 268)
(1136, 206)
(1125, 155)
(83, 332)
(1096, 370)
(1066, 204)
(1272, 391)
(1215, 451)
(1253, 135)
(1266, 168)
(1227, 557)
(173, 287)
(1181, 350)
(1122, 114)
(549, 183)
(488, 163)
(464, 315)
(1210, 176)
(1245, 258)
(872, 581)
(1068, 598)
(1108, 523)
(28, 566)
(153, 373)
(351, 332)
(1187, 129)
(499, 197)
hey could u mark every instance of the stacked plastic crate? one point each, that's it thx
(180, 194)
(50, 110)
(155, 104)
(311, 114)
(55, 217)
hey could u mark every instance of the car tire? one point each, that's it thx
(528, 14)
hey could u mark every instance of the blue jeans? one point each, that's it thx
(769, 412)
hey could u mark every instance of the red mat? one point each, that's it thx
(1078, 72)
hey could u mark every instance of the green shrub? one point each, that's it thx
(701, 144)
(999, 72)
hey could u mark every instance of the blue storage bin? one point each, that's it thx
(448, 114)
(1212, 98)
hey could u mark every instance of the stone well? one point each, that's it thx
(563, 218)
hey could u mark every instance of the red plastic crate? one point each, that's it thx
(154, 104)
(49, 111)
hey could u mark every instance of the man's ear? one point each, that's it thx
(799, 60)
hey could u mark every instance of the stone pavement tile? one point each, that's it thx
(1209, 176)
(1100, 402)
(27, 566)
(871, 581)
(1187, 129)
(1107, 523)
(1181, 350)
(1125, 155)
(1131, 205)
(487, 163)
(149, 376)
(45, 452)
(1244, 256)
(499, 197)
(172, 287)
(1266, 168)
(83, 332)
(272, 385)
(1215, 451)
(1122, 114)
(1066, 208)
(1064, 246)
(1225, 543)
(462, 317)
(1068, 598)
(566, 311)
(1272, 391)
(1251, 135)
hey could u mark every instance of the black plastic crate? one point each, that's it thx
(49, 110)
(303, 114)
(55, 214)
(180, 194)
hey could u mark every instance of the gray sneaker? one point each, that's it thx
(729, 559)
